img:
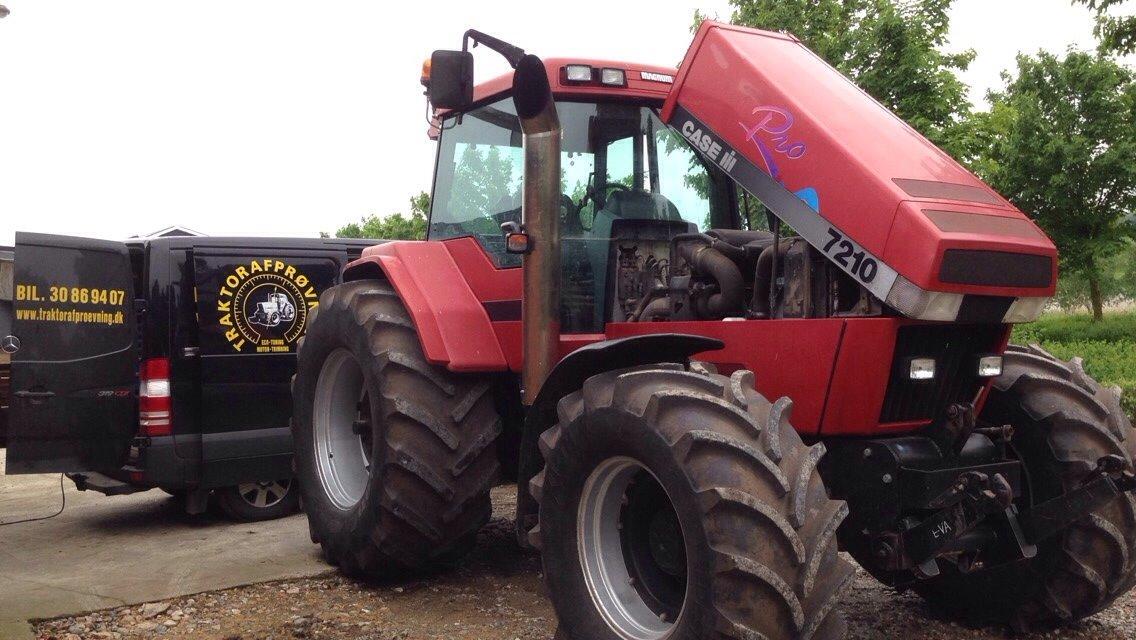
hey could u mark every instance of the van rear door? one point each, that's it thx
(74, 374)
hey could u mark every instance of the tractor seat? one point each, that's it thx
(640, 205)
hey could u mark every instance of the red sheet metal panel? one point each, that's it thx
(773, 107)
(452, 324)
(788, 357)
(859, 378)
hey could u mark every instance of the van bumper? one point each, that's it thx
(154, 462)
(104, 484)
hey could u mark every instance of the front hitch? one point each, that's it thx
(972, 499)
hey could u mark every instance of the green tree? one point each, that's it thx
(1117, 34)
(1117, 282)
(893, 49)
(394, 226)
(1062, 147)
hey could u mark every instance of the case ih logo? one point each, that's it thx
(264, 305)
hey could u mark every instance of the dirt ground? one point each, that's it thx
(496, 593)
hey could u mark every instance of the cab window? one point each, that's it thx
(619, 161)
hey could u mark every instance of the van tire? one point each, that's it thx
(238, 503)
(432, 440)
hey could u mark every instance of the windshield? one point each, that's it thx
(606, 149)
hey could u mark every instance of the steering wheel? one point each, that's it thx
(619, 186)
(591, 193)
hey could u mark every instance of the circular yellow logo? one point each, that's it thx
(265, 306)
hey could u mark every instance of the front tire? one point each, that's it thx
(395, 456)
(681, 505)
(1064, 421)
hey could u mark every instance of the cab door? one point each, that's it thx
(74, 355)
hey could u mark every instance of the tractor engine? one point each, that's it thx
(658, 274)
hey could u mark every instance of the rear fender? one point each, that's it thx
(569, 375)
(452, 324)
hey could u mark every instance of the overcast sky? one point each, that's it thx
(277, 117)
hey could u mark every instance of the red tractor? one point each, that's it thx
(717, 322)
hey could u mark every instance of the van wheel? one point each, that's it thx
(252, 501)
(395, 456)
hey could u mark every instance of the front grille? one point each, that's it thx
(996, 268)
(955, 348)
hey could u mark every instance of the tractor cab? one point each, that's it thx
(624, 174)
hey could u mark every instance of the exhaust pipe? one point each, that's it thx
(540, 215)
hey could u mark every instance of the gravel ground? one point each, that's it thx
(496, 593)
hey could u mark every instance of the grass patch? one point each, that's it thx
(1108, 347)
(1061, 327)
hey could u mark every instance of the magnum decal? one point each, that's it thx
(263, 306)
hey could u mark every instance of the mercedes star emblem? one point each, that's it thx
(10, 344)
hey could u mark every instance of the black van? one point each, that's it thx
(5, 329)
(164, 363)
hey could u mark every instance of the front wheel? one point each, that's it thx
(681, 505)
(1064, 421)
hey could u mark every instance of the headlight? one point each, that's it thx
(578, 73)
(989, 366)
(613, 77)
(921, 369)
(914, 302)
(1025, 310)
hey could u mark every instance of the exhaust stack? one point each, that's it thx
(540, 214)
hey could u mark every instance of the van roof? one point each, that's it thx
(189, 242)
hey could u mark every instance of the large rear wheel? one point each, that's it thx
(682, 505)
(395, 456)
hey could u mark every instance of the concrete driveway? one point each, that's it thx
(104, 552)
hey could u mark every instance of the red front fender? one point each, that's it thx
(452, 323)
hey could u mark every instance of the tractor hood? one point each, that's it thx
(878, 199)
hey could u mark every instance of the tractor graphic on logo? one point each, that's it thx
(270, 313)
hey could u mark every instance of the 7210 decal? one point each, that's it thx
(845, 253)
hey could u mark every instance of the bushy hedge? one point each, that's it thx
(1108, 347)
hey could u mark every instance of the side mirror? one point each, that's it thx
(451, 79)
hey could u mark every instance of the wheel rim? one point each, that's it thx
(632, 550)
(342, 433)
(263, 495)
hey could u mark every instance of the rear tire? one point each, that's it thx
(665, 488)
(254, 501)
(410, 486)
(1064, 421)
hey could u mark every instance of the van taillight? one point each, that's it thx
(154, 398)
